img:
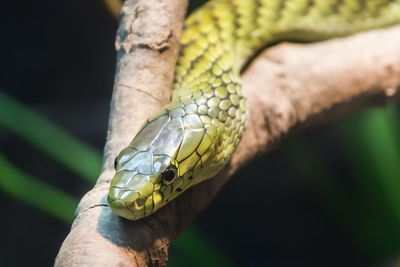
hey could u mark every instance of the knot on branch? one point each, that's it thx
(145, 25)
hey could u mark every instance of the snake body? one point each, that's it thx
(193, 137)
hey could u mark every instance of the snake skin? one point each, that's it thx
(192, 138)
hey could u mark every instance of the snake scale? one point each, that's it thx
(193, 137)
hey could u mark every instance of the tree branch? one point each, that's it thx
(290, 87)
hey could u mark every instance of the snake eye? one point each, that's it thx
(169, 175)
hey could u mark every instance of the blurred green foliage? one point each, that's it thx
(47, 137)
(193, 248)
(32, 191)
(370, 146)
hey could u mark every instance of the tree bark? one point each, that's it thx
(290, 87)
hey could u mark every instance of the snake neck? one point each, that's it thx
(213, 123)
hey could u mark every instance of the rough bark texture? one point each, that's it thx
(290, 87)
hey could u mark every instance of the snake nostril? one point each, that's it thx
(140, 201)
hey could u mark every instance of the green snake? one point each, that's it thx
(193, 137)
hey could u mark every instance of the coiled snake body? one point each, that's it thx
(192, 138)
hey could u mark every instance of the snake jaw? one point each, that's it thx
(133, 195)
(120, 208)
(133, 210)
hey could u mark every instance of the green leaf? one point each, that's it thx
(32, 191)
(47, 137)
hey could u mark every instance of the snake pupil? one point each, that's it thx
(115, 163)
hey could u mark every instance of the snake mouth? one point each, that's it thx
(129, 210)
(132, 205)
(126, 203)
(131, 195)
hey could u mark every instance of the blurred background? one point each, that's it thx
(327, 197)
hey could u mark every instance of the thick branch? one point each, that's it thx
(289, 86)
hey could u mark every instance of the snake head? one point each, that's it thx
(155, 167)
(138, 187)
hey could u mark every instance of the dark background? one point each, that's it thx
(58, 59)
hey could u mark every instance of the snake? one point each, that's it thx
(193, 137)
